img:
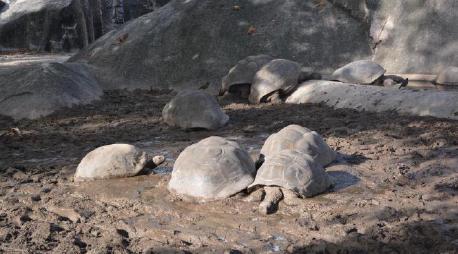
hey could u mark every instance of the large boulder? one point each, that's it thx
(414, 36)
(33, 91)
(197, 41)
(55, 25)
(44, 24)
(441, 104)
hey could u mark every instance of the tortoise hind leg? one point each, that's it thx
(271, 199)
(290, 197)
(255, 196)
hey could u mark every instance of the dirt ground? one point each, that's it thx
(395, 184)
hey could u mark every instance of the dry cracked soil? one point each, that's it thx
(395, 184)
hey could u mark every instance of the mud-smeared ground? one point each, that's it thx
(396, 185)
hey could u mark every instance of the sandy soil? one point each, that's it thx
(396, 185)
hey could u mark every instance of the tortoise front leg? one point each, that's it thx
(271, 199)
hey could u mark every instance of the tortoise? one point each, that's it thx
(274, 81)
(296, 137)
(194, 109)
(115, 161)
(238, 80)
(366, 72)
(289, 174)
(212, 169)
(448, 76)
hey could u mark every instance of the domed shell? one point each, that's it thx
(448, 76)
(111, 161)
(243, 72)
(214, 168)
(295, 171)
(359, 72)
(278, 74)
(194, 109)
(295, 137)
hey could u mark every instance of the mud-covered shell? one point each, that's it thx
(359, 72)
(295, 171)
(194, 109)
(214, 168)
(277, 75)
(243, 72)
(295, 137)
(448, 76)
(111, 161)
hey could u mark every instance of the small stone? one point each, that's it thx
(41, 233)
(67, 213)
(158, 160)
(20, 176)
(21, 219)
(35, 198)
(307, 221)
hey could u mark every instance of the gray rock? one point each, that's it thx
(294, 171)
(111, 161)
(39, 24)
(298, 138)
(441, 104)
(359, 72)
(194, 109)
(277, 75)
(56, 25)
(197, 41)
(243, 72)
(211, 169)
(414, 36)
(38, 90)
(448, 76)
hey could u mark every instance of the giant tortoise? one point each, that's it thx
(114, 161)
(289, 174)
(296, 137)
(194, 109)
(366, 72)
(274, 81)
(238, 80)
(214, 168)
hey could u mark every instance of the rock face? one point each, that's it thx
(46, 24)
(298, 138)
(111, 161)
(277, 75)
(295, 171)
(211, 169)
(38, 90)
(414, 36)
(198, 41)
(171, 47)
(193, 109)
(359, 72)
(448, 76)
(442, 104)
(56, 25)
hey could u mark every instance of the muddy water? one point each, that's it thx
(394, 184)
